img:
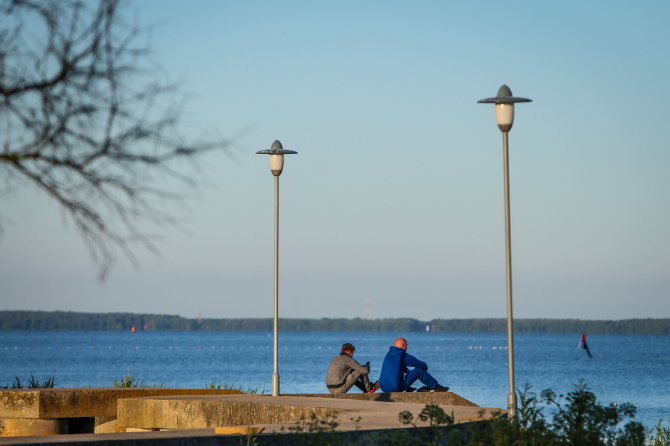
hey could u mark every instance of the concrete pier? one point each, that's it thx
(275, 413)
(62, 411)
(141, 418)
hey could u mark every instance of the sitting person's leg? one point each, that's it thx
(425, 377)
(354, 379)
(363, 383)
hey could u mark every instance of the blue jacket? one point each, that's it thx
(394, 369)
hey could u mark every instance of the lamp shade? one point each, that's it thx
(504, 107)
(505, 116)
(276, 163)
(276, 153)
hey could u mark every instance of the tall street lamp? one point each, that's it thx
(505, 117)
(276, 153)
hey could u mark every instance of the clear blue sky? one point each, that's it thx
(396, 195)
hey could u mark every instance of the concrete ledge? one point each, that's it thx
(40, 412)
(360, 418)
(84, 402)
(17, 427)
(446, 398)
(62, 411)
(276, 414)
(105, 425)
(188, 412)
(201, 437)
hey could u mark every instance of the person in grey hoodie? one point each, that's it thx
(344, 372)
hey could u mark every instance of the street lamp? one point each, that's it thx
(276, 153)
(505, 117)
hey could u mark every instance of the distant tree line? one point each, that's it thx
(66, 320)
(622, 326)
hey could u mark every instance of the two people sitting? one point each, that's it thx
(399, 371)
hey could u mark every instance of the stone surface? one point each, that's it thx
(19, 403)
(59, 411)
(105, 425)
(42, 412)
(358, 418)
(275, 413)
(84, 402)
(187, 412)
(447, 398)
(31, 426)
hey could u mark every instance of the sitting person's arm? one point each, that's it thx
(355, 365)
(413, 362)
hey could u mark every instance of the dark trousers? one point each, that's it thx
(425, 377)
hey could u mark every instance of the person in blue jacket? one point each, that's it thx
(397, 377)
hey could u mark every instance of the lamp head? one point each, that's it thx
(276, 153)
(504, 107)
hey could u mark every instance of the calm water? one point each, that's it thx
(625, 368)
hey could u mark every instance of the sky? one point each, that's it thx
(393, 206)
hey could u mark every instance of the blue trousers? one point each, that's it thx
(425, 377)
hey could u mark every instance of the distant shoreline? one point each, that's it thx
(79, 321)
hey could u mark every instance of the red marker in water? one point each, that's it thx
(584, 345)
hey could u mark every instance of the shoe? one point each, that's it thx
(440, 388)
(374, 387)
(410, 389)
(423, 389)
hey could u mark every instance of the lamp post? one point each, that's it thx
(505, 117)
(276, 153)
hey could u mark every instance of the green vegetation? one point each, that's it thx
(249, 391)
(438, 421)
(62, 320)
(130, 381)
(321, 431)
(659, 436)
(32, 384)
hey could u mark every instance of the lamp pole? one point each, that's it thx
(505, 118)
(276, 153)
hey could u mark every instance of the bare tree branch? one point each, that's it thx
(82, 118)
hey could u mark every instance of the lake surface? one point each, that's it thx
(624, 368)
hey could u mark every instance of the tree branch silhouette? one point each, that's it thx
(83, 118)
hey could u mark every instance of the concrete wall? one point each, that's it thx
(62, 411)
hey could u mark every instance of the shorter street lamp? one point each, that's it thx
(276, 153)
(505, 117)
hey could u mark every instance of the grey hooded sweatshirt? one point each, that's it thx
(340, 367)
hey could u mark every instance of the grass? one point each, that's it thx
(226, 386)
(660, 436)
(32, 384)
(131, 381)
